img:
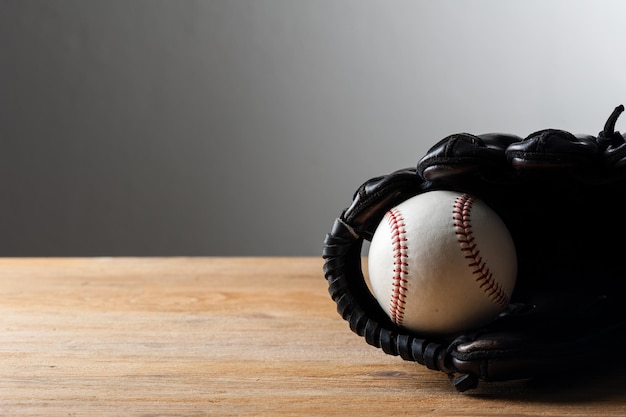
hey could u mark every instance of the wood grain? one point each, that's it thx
(226, 336)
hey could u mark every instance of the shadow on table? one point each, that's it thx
(576, 385)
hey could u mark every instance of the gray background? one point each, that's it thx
(242, 127)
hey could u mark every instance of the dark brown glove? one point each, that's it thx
(562, 197)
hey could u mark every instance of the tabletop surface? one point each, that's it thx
(226, 336)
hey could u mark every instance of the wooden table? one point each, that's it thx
(225, 336)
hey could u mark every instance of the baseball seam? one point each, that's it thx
(400, 265)
(461, 214)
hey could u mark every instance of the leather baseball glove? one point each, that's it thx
(562, 197)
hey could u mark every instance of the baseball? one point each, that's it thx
(442, 262)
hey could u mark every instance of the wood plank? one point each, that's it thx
(225, 336)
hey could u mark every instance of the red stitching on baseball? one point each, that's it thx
(461, 214)
(400, 265)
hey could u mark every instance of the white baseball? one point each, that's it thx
(442, 262)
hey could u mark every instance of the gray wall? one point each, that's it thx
(242, 127)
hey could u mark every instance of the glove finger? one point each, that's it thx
(463, 153)
(553, 149)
